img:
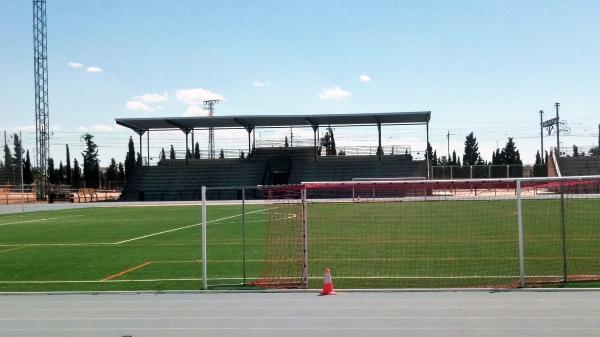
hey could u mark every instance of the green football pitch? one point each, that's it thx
(367, 245)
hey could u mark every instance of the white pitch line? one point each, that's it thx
(37, 220)
(99, 281)
(184, 227)
(11, 249)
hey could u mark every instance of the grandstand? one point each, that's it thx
(181, 179)
(573, 166)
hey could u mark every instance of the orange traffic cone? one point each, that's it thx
(327, 283)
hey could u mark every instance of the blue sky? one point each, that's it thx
(482, 66)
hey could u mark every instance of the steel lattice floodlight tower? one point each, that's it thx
(40, 66)
(210, 106)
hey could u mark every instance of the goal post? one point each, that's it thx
(433, 233)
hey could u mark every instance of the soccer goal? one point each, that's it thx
(433, 233)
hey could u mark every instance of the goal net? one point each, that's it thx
(461, 233)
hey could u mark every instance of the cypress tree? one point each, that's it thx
(172, 153)
(27, 175)
(130, 163)
(111, 171)
(197, 151)
(68, 171)
(51, 171)
(429, 154)
(121, 176)
(91, 165)
(8, 161)
(76, 174)
(61, 173)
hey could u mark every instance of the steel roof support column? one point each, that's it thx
(379, 149)
(148, 146)
(140, 134)
(315, 128)
(193, 146)
(249, 130)
(427, 155)
(187, 149)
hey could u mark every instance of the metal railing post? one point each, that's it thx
(563, 231)
(520, 229)
(305, 234)
(244, 234)
(204, 262)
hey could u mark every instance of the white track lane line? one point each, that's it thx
(184, 227)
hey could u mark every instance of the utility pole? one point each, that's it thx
(291, 136)
(42, 115)
(210, 106)
(557, 131)
(542, 135)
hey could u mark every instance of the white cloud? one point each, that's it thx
(138, 106)
(335, 93)
(25, 128)
(97, 128)
(152, 98)
(261, 84)
(93, 70)
(195, 111)
(365, 78)
(196, 96)
(75, 65)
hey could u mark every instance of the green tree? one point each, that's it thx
(91, 165)
(51, 171)
(595, 151)
(539, 169)
(130, 163)
(8, 160)
(222, 154)
(68, 170)
(197, 151)
(472, 155)
(328, 142)
(575, 151)
(27, 174)
(510, 155)
(172, 153)
(121, 176)
(162, 155)
(76, 174)
(454, 162)
(18, 152)
(429, 153)
(286, 144)
(111, 171)
(60, 173)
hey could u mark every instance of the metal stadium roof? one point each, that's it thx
(253, 121)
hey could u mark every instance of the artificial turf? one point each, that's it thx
(367, 245)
